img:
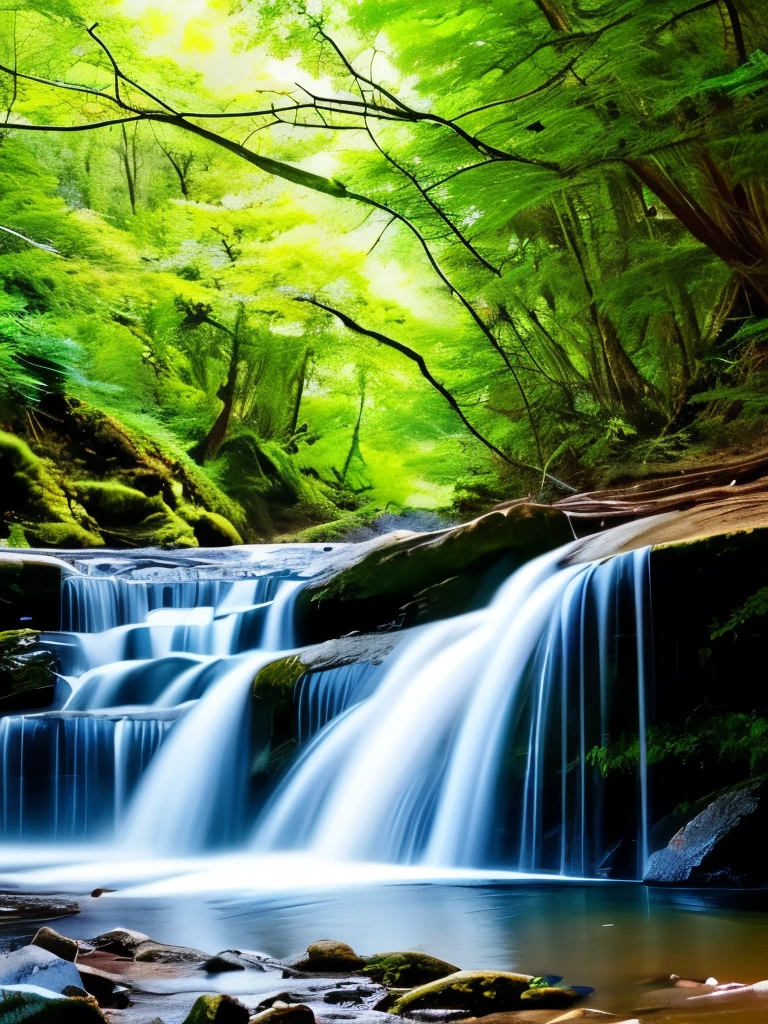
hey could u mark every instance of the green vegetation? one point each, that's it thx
(271, 269)
(736, 740)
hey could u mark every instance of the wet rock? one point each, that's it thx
(331, 956)
(285, 1013)
(406, 969)
(120, 941)
(33, 965)
(233, 960)
(515, 1017)
(480, 992)
(59, 945)
(443, 1016)
(549, 997)
(216, 1009)
(159, 953)
(721, 846)
(22, 1003)
(15, 906)
(105, 989)
(350, 996)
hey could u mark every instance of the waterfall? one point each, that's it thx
(475, 744)
(151, 745)
(473, 748)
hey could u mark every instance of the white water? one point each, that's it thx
(467, 749)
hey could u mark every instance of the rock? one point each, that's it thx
(406, 969)
(584, 1013)
(527, 1016)
(721, 846)
(216, 1009)
(100, 892)
(548, 997)
(104, 988)
(351, 996)
(233, 960)
(159, 953)
(33, 965)
(328, 955)
(480, 992)
(59, 945)
(285, 1013)
(15, 906)
(30, 1003)
(120, 941)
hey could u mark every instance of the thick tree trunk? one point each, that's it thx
(209, 447)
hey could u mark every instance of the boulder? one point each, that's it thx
(33, 965)
(478, 992)
(159, 953)
(17, 906)
(285, 1013)
(234, 960)
(31, 1004)
(217, 1009)
(584, 1013)
(120, 941)
(548, 997)
(721, 846)
(406, 970)
(328, 956)
(59, 945)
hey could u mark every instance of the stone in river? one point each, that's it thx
(120, 941)
(331, 956)
(235, 960)
(584, 1013)
(285, 1013)
(548, 997)
(216, 1009)
(160, 953)
(406, 970)
(479, 992)
(59, 945)
(32, 965)
(22, 1003)
(14, 906)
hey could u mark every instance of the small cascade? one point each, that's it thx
(71, 776)
(150, 664)
(321, 696)
(473, 750)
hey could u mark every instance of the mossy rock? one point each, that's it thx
(112, 504)
(33, 499)
(211, 529)
(549, 997)
(31, 1008)
(403, 970)
(24, 668)
(274, 682)
(217, 1009)
(478, 992)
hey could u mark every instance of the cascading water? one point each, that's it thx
(475, 744)
(489, 715)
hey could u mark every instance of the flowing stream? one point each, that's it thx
(474, 745)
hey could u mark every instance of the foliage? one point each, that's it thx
(733, 738)
(447, 255)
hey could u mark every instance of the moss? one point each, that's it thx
(113, 504)
(275, 682)
(217, 1009)
(16, 537)
(64, 535)
(479, 992)
(548, 997)
(163, 530)
(211, 529)
(406, 969)
(30, 1008)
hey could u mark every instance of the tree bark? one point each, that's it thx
(209, 447)
(555, 15)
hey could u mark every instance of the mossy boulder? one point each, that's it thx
(217, 1009)
(478, 992)
(548, 997)
(39, 1007)
(403, 970)
(211, 529)
(33, 499)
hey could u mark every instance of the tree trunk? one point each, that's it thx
(129, 166)
(555, 15)
(209, 446)
(354, 448)
(299, 392)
